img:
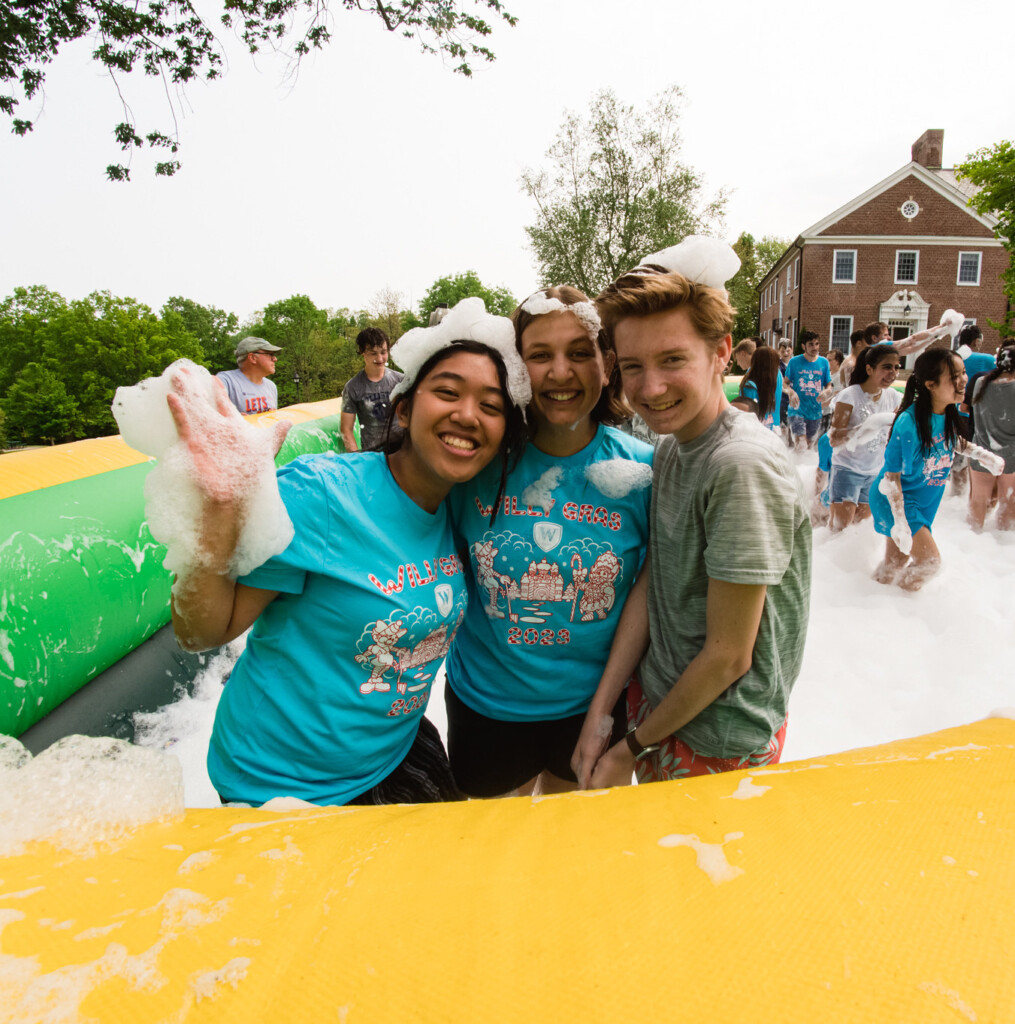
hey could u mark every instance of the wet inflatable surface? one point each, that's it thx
(869, 886)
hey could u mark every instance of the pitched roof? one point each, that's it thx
(943, 182)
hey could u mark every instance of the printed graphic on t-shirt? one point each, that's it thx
(256, 403)
(937, 463)
(536, 584)
(407, 648)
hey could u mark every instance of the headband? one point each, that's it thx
(539, 303)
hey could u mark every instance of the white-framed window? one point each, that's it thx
(907, 266)
(969, 268)
(796, 272)
(839, 330)
(844, 266)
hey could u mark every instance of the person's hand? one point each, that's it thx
(614, 768)
(794, 400)
(902, 537)
(592, 741)
(991, 462)
(218, 439)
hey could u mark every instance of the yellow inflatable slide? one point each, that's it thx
(872, 886)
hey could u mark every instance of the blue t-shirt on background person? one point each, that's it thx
(808, 378)
(326, 700)
(825, 464)
(979, 362)
(923, 473)
(549, 579)
(773, 418)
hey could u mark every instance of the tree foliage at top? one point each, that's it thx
(756, 259)
(169, 40)
(992, 169)
(452, 288)
(616, 190)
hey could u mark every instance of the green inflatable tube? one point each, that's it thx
(81, 578)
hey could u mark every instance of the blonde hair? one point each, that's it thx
(641, 295)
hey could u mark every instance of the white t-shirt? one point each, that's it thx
(868, 455)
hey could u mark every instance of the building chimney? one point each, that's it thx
(928, 148)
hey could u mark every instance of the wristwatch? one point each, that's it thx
(637, 749)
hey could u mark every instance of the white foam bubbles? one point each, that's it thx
(539, 304)
(616, 478)
(702, 260)
(82, 791)
(225, 454)
(466, 321)
(539, 494)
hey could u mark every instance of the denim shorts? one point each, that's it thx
(799, 426)
(846, 485)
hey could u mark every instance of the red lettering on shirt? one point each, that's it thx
(570, 511)
(585, 514)
(615, 521)
(450, 566)
(484, 510)
(392, 587)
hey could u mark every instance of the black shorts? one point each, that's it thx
(490, 758)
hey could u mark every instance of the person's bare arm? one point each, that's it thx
(629, 644)
(838, 433)
(732, 617)
(900, 533)
(208, 607)
(346, 429)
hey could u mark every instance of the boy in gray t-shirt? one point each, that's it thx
(367, 396)
(711, 638)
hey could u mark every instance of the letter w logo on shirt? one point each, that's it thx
(445, 598)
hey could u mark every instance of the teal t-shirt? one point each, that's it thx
(923, 473)
(772, 418)
(549, 579)
(808, 378)
(326, 699)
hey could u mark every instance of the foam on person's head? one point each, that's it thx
(243, 459)
(467, 321)
(83, 791)
(616, 478)
(539, 304)
(702, 260)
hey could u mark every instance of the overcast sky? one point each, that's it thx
(379, 168)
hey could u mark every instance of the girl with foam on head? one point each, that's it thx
(550, 576)
(856, 457)
(918, 458)
(712, 636)
(352, 621)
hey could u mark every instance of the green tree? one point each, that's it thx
(23, 320)
(37, 408)
(102, 342)
(170, 40)
(455, 287)
(214, 329)
(756, 259)
(615, 191)
(992, 169)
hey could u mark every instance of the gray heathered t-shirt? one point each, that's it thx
(994, 419)
(370, 400)
(730, 506)
(247, 396)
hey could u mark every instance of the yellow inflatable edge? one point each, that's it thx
(871, 886)
(35, 468)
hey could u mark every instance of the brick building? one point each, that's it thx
(903, 252)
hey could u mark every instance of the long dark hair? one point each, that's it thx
(762, 373)
(611, 408)
(1005, 364)
(868, 359)
(928, 368)
(513, 442)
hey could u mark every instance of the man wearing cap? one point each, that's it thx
(248, 385)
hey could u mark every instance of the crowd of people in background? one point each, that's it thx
(891, 452)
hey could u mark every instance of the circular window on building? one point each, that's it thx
(910, 208)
